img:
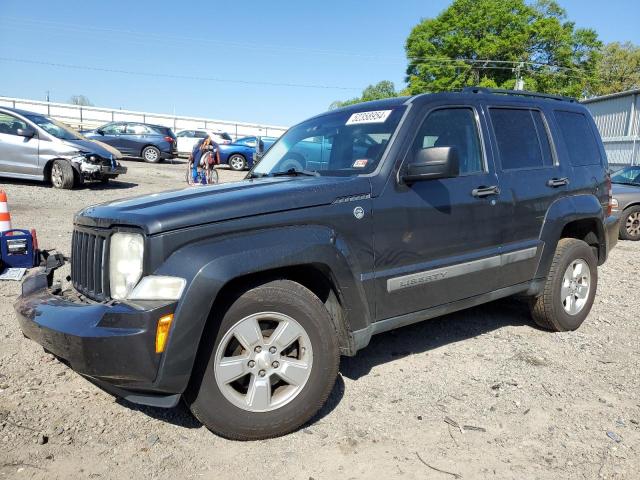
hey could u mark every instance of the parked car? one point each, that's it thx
(36, 147)
(242, 297)
(239, 154)
(187, 139)
(152, 143)
(626, 201)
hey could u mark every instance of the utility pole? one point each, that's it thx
(47, 95)
(519, 80)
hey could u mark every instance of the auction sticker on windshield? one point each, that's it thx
(377, 116)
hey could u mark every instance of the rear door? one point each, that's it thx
(532, 179)
(438, 241)
(137, 136)
(18, 155)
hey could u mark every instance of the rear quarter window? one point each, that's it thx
(579, 138)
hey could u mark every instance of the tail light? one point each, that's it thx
(169, 139)
(609, 188)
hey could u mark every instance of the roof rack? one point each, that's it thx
(521, 93)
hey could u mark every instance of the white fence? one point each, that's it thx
(82, 117)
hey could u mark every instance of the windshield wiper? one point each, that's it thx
(293, 171)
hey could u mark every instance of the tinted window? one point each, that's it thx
(138, 129)
(628, 175)
(114, 128)
(579, 139)
(200, 134)
(185, 133)
(522, 138)
(454, 127)
(9, 125)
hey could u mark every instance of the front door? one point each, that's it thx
(18, 155)
(438, 241)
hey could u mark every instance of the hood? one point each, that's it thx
(176, 209)
(95, 147)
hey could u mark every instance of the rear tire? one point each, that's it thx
(570, 287)
(630, 223)
(151, 154)
(62, 175)
(281, 384)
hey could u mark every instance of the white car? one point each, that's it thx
(187, 139)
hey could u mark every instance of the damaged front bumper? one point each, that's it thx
(112, 344)
(92, 167)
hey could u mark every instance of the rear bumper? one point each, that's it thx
(611, 229)
(113, 345)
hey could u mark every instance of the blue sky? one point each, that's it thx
(347, 44)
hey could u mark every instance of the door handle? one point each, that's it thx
(482, 192)
(557, 182)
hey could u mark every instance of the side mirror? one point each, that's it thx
(431, 163)
(99, 131)
(27, 132)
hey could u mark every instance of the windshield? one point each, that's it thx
(627, 176)
(55, 128)
(340, 144)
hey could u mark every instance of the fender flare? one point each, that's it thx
(210, 264)
(561, 213)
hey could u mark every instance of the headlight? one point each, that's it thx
(125, 263)
(156, 287)
(614, 204)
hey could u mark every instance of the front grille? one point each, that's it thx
(89, 261)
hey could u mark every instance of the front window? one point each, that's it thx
(339, 143)
(627, 176)
(55, 128)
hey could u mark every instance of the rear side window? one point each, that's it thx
(579, 139)
(523, 141)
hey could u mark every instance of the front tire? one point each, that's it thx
(237, 162)
(570, 287)
(151, 154)
(630, 224)
(269, 367)
(62, 175)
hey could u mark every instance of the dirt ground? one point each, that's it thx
(478, 394)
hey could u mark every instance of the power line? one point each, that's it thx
(175, 76)
(254, 46)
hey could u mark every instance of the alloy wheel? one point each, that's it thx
(151, 155)
(263, 362)
(633, 224)
(576, 284)
(56, 175)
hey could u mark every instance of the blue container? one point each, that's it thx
(16, 249)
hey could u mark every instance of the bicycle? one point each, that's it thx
(205, 173)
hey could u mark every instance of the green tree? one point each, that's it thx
(482, 42)
(618, 68)
(383, 89)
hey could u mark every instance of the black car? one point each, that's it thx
(153, 143)
(241, 297)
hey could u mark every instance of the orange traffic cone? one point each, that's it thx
(5, 216)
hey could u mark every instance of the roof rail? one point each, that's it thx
(521, 93)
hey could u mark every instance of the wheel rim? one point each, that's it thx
(237, 163)
(633, 224)
(576, 285)
(263, 362)
(56, 175)
(150, 154)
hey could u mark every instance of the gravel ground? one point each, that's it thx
(478, 394)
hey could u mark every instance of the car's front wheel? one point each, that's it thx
(270, 366)
(237, 162)
(630, 223)
(62, 175)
